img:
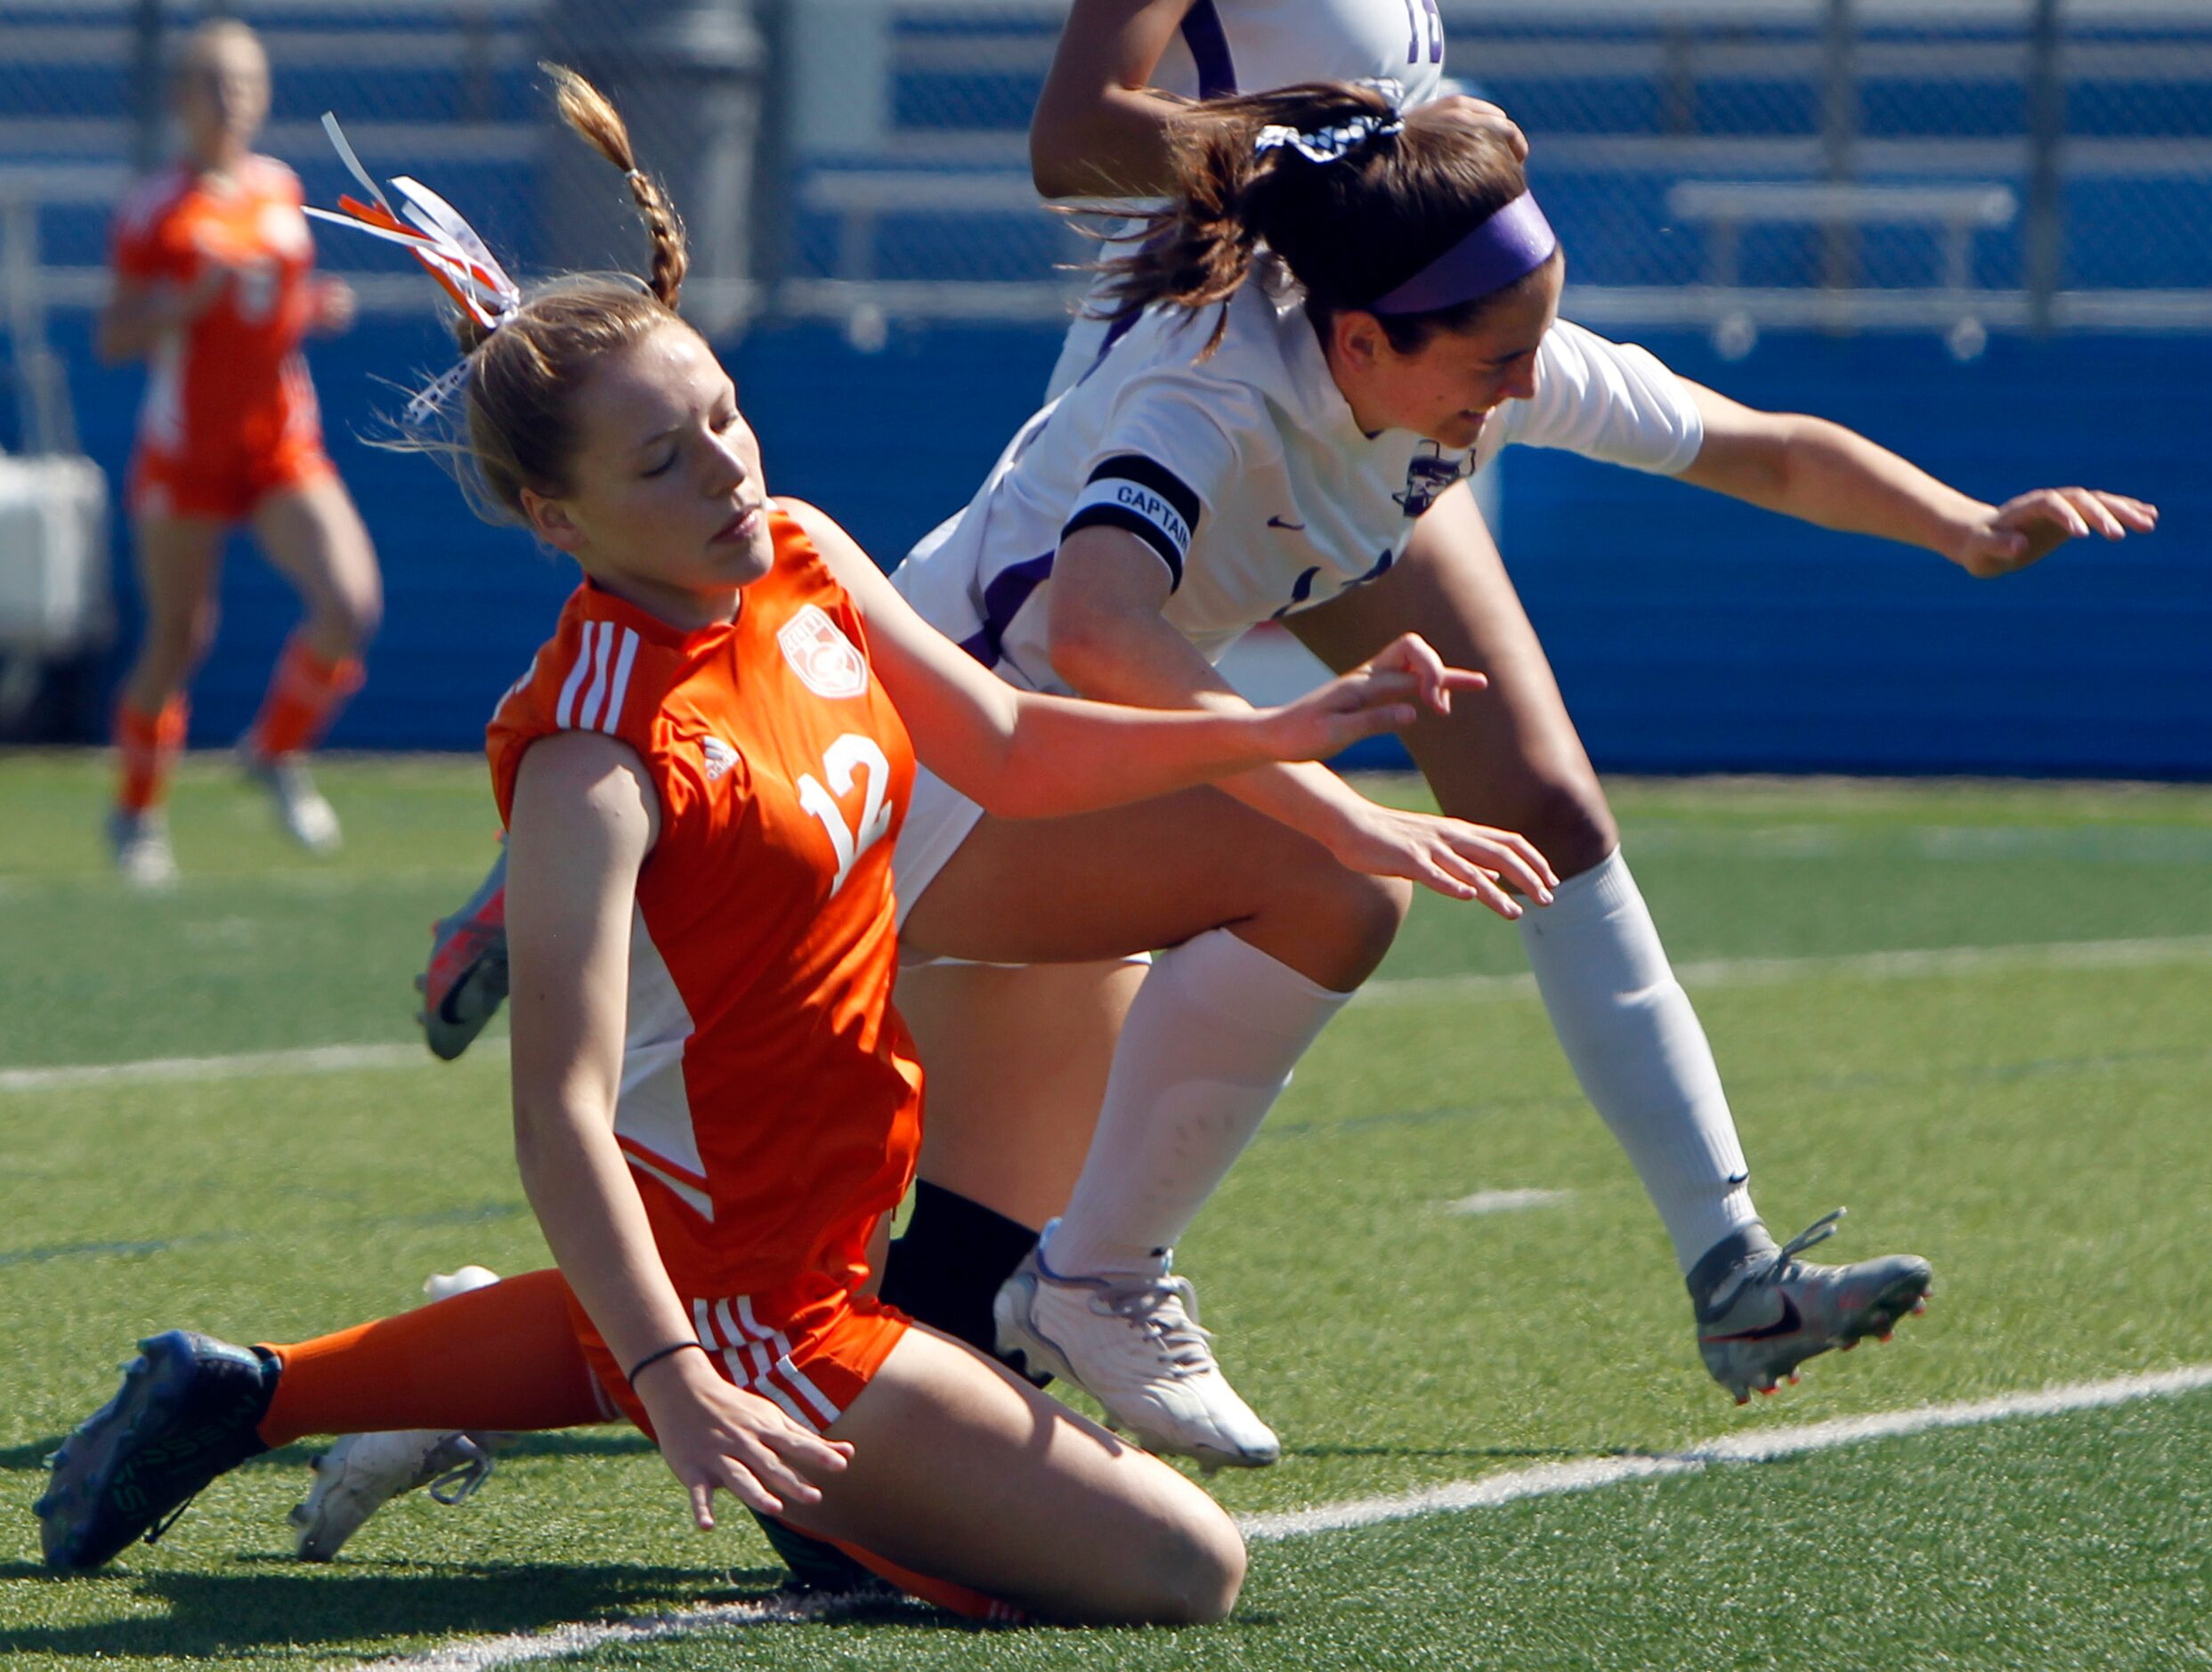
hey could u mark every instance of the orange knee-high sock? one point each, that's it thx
(147, 745)
(501, 1358)
(305, 696)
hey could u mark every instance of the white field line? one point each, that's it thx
(250, 1065)
(1762, 1446)
(1867, 966)
(1863, 966)
(1546, 1480)
(480, 1653)
(1506, 1201)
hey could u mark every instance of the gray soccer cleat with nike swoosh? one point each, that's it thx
(1766, 1311)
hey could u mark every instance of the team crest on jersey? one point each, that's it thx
(717, 755)
(1428, 475)
(821, 656)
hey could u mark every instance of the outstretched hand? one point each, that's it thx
(2035, 525)
(1456, 859)
(1446, 856)
(1385, 693)
(715, 1436)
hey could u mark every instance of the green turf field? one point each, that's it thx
(2038, 1124)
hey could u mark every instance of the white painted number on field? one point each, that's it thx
(849, 754)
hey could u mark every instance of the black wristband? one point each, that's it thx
(655, 1357)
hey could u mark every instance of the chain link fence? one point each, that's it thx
(1958, 165)
(1966, 165)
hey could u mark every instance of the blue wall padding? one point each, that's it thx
(1689, 633)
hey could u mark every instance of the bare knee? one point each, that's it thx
(1332, 924)
(1198, 1573)
(175, 644)
(1559, 805)
(349, 616)
(364, 615)
(1571, 823)
(1373, 909)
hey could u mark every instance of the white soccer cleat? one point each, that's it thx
(142, 854)
(1133, 1344)
(307, 818)
(362, 1473)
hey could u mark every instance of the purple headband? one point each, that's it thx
(1509, 246)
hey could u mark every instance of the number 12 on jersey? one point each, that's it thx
(850, 754)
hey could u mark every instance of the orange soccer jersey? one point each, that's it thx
(230, 414)
(770, 1102)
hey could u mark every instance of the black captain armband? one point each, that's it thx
(1132, 491)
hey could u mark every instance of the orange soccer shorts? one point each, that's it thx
(812, 1360)
(223, 485)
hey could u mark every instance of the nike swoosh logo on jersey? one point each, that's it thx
(1788, 1323)
(1295, 528)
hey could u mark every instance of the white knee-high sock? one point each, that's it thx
(1636, 1045)
(1207, 1049)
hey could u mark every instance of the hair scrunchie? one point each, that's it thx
(1339, 139)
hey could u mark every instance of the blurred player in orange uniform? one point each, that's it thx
(214, 290)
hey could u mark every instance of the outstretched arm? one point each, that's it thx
(584, 819)
(1109, 639)
(1024, 755)
(1821, 472)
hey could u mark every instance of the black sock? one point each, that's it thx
(950, 1263)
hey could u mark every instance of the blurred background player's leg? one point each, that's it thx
(313, 533)
(179, 560)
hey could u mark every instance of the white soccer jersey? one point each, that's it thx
(1251, 45)
(1248, 475)
(1255, 45)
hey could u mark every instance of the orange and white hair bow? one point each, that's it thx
(426, 225)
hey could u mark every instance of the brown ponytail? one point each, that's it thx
(523, 374)
(1349, 230)
(584, 108)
